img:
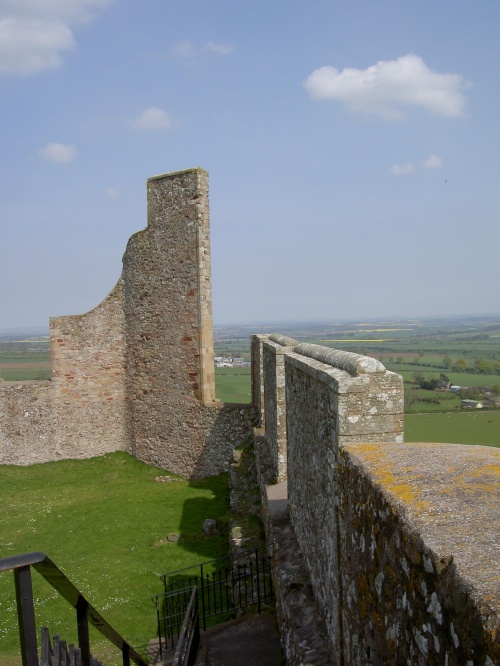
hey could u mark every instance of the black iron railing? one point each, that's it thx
(85, 613)
(223, 587)
(189, 638)
(61, 654)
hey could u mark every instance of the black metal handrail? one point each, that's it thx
(217, 563)
(232, 586)
(189, 638)
(85, 612)
(60, 654)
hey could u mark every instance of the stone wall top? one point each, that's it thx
(283, 340)
(354, 364)
(448, 495)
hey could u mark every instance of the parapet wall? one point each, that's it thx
(273, 361)
(398, 539)
(309, 387)
(418, 576)
(137, 372)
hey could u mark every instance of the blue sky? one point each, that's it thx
(353, 150)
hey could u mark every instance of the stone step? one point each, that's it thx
(250, 641)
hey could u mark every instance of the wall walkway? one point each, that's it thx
(399, 541)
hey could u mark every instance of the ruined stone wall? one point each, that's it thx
(26, 422)
(137, 372)
(173, 418)
(88, 380)
(162, 292)
(399, 540)
(81, 412)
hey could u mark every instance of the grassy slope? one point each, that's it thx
(104, 522)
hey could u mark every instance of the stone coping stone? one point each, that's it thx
(277, 501)
(354, 364)
(283, 340)
(448, 496)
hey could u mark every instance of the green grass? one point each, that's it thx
(105, 523)
(25, 374)
(456, 378)
(233, 384)
(448, 401)
(467, 427)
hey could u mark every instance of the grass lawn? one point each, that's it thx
(105, 523)
(467, 427)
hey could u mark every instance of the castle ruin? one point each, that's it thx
(397, 543)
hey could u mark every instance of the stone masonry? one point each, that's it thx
(398, 540)
(385, 553)
(137, 372)
(274, 400)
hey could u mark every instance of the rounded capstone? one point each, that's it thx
(354, 364)
(283, 340)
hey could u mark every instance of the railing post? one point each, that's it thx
(126, 655)
(159, 625)
(258, 581)
(26, 616)
(83, 629)
(203, 599)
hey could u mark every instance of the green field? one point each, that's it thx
(19, 361)
(470, 427)
(233, 384)
(105, 523)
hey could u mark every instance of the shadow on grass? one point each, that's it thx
(213, 502)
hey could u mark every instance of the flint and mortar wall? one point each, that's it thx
(137, 372)
(82, 412)
(88, 380)
(419, 574)
(399, 540)
(26, 422)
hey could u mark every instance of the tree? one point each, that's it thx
(484, 367)
(446, 362)
(418, 377)
(461, 365)
(410, 397)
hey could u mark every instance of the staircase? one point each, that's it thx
(249, 641)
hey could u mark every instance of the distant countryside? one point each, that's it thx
(450, 367)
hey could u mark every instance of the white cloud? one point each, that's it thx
(433, 162)
(59, 152)
(153, 119)
(385, 88)
(402, 169)
(221, 49)
(184, 49)
(27, 47)
(111, 192)
(35, 33)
